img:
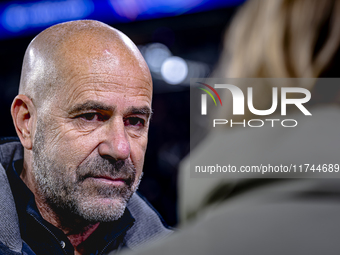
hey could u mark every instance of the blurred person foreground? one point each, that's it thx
(277, 213)
(82, 116)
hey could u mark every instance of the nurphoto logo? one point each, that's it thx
(238, 104)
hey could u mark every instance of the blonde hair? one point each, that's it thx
(278, 39)
(281, 38)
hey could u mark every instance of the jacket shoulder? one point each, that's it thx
(10, 150)
(10, 240)
(149, 225)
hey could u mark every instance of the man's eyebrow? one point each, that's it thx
(93, 105)
(140, 110)
(90, 105)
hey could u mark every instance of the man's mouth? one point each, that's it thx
(109, 180)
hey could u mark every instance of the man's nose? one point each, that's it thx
(115, 143)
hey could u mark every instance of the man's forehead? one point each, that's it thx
(106, 86)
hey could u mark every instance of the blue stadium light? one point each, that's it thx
(19, 18)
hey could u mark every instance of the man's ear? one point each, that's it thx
(23, 113)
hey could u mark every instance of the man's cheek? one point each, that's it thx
(72, 151)
(59, 136)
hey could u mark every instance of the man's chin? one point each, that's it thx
(102, 209)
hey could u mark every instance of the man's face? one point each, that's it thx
(90, 141)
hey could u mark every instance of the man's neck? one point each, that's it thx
(78, 239)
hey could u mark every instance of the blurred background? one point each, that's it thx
(180, 39)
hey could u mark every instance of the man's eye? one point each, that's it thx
(134, 121)
(91, 116)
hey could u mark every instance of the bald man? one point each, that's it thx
(82, 116)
